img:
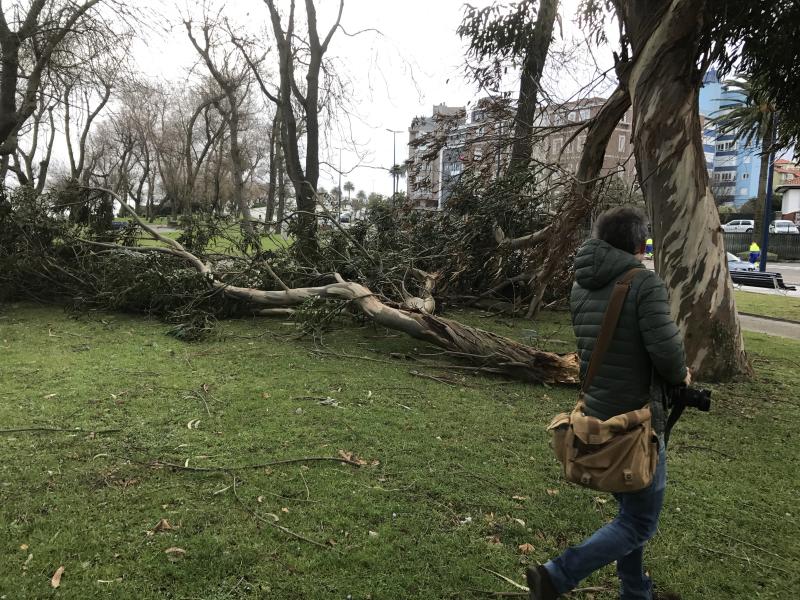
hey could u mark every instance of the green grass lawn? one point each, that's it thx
(458, 472)
(778, 307)
(219, 245)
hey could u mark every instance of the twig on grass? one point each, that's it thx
(339, 459)
(57, 430)
(496, 484)
(432, 377)
(507, 580)
(353, 356)
(714, 450)
(285, 530)
(730, 537)
(742, 558)
(305, 483)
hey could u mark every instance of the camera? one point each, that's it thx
(698, 398)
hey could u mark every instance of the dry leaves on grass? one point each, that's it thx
(163, 525)
(494, 540)
(174, 553)
(526, 548)
(352, 457)
(552, 492)
(55, 580)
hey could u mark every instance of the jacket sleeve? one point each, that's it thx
(661, 336)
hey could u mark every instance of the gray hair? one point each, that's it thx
(623, 227)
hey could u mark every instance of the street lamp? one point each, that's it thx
(394, 160)
(762, 265)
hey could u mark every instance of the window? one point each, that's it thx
(626, 118)
(584, 114)
(477, 154)
(621, 143)
(725, 146)
(745, 175)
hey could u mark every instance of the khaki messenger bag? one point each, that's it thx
(616, 455)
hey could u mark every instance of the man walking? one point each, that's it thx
(646, 349)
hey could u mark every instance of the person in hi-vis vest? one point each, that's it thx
(755, 253)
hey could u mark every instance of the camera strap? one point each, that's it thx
(674, 415)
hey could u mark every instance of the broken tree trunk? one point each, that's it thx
(486, 350)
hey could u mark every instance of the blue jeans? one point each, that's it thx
(622, 540)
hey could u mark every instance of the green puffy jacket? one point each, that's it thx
(645, 337)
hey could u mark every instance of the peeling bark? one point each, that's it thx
(689, 250)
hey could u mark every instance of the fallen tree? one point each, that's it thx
(486, 351)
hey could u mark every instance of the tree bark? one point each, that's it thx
(274, 148)
(667, 38)
(532, 68)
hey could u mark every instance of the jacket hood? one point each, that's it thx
(598, 262)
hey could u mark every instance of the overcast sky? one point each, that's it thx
(415, 61)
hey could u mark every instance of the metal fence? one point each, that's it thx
(785, 245)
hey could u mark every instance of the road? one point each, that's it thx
(790, 272)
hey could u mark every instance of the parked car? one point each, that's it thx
(734, 264)
(783, 227)
(739, 226)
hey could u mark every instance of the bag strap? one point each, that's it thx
(610, 319)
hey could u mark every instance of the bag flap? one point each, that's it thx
(591, 430)
(560, 420)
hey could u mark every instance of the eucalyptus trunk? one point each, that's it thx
(535, 57)
(689, 247)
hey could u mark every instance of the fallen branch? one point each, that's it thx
(274, 463)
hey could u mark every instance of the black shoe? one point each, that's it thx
(540, 584)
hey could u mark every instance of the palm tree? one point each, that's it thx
(397, 171)
(348, 187)
(751, 120)
(360, 202)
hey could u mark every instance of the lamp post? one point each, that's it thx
(394, 160)
(762, 264)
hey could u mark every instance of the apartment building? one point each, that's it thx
(451, 140)
(564, 147)
(734, 165)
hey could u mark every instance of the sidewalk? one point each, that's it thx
(776, 327)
